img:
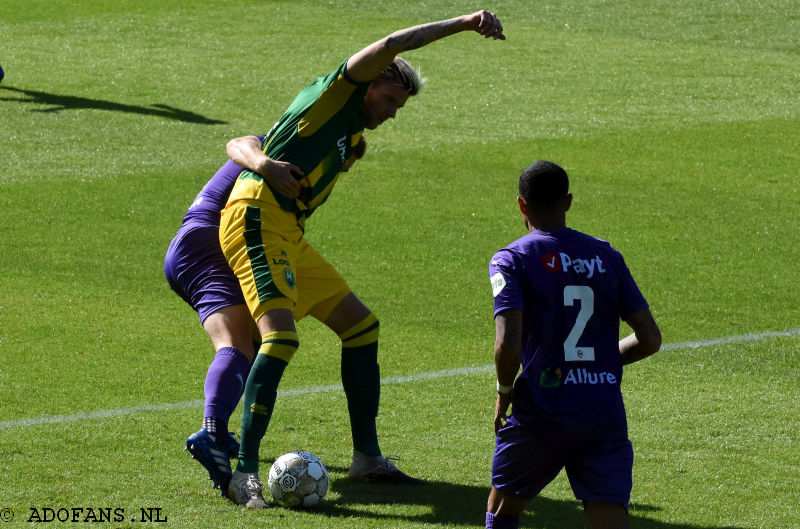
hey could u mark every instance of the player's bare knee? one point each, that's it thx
(501, 504)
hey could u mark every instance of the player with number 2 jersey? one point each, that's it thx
(571, 366)
(559, 296)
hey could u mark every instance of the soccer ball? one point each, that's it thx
(298, 479)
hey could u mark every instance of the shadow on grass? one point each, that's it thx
(450, 504)
(57, 103)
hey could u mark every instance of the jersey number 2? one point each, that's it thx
(584, 294)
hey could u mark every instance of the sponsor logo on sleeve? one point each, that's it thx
(498, 282)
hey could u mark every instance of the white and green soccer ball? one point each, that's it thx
(298, 479)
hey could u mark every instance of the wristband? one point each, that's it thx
(504, 390)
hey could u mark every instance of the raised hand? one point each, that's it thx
(487, 24)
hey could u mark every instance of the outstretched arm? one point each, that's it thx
(365, 65)
(282, 176)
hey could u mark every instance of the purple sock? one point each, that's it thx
(501, 522)
(225, 381)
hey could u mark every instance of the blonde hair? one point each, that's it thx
(401, 73)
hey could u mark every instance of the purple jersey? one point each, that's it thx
(573, 289)
(207, 205)
(194, 265)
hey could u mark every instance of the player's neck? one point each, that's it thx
(547, 224)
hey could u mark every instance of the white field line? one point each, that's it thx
(119, 412)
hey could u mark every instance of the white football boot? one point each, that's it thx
(245, 489)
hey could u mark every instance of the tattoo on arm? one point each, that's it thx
(404, 42)
(419, 36)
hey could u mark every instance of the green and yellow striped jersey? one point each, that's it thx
(316, 133)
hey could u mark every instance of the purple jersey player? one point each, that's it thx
(559, 296)
(196, 269)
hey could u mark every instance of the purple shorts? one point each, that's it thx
(528, 457)
(197, 271)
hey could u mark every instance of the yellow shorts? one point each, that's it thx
(276, 267)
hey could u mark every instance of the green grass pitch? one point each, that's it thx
(678, 123)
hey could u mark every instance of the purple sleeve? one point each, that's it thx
(506, 287)
(205, 209)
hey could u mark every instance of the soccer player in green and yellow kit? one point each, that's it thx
(282, 277)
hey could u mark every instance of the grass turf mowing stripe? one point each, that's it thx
(119, 412)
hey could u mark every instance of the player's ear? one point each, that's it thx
(523, 206)
(569, 202)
